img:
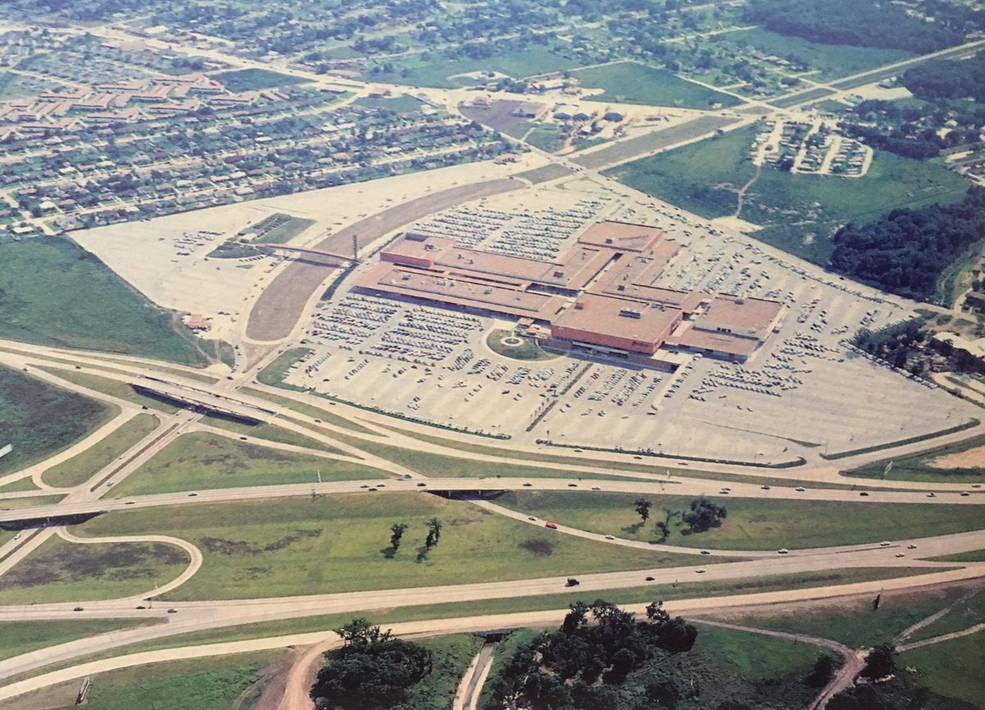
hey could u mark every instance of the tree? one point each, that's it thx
(372, 670)
(434, 533)
(880, 662)
(642, 506)
(823, 671)
(396, 533)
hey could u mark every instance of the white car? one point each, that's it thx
(783, 551)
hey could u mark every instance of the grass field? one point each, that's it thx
(17, 637)
(114, 388)
(30, 502)
(398, 104)
(274, 373)
(798, 213)
(81, 467)
(229, 682)
(309, 410)
(966, 612)
(201, 460)
(632, 83)
(546, 136)
(920, 466)
(451, 656)
(338, 543)
(951, 668)
(21, 484)
(853, 621)
(60, 571)
(436, 69)
(527, 349)
(111, 317)
(972, 556)
(269, 432)
(40, 420)
(286, 231)
(830, 60)
(254, 79)
(751, 524)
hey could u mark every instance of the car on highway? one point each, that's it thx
(530, 517)
(864, 494)
(764, 487)
(706, 552)
(885, 543)
(552, 526)
(572, 582)
(699, 571)
(783, 551)
(911, 546)
(78, 608)
(648, 579)
(172, 610)
(527, 485)
(609, 537)
(800, 489)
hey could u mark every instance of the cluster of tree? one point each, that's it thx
(704, 515)
(907, 250)
(947, 79)
(371, 671)
(860, 24)
(909, 346)
(582, 664)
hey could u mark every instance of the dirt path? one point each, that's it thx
(908, 632)
(742, 192)
(851, 666)
(279, 307)
(943, 637)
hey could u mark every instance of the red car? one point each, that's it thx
(552, 526)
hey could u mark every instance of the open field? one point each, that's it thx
(751, 524)
(951, 668)
(829, 60)
(853, 621)
(254, 79)
(40, 420)
(799, 213)
(632, 83)
(176, 685)
(440, 71)
(274, 373)
(81, 467)
(201, 460)
(17, 637)
(270, 432)
(286, 231)
(935, 465)
(114, 388)
(110, 316)
(338, 543)
(60, 571)
(966, 612)
(403, 103)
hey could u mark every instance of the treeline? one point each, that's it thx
(907, 250)
(947, 79)
(860, 23)
(917, 146)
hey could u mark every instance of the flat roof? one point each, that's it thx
(444, 288)
(717, 342)
(607, 316)
(622, 236)
(732, 312)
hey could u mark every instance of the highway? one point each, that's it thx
(274, 323)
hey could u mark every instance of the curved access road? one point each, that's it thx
(280, 306)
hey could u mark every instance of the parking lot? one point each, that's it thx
(806, 391)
